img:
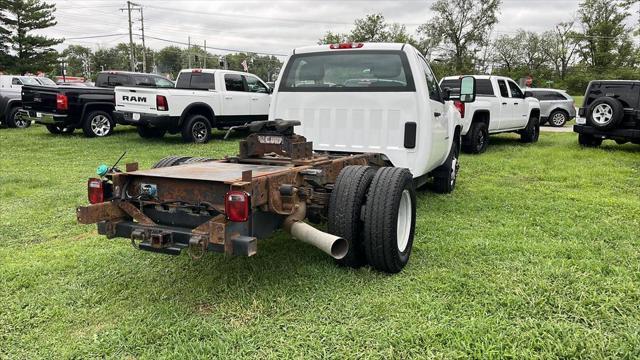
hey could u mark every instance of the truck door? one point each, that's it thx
(519, 107)
(506, 111)
(235, 100)
(260, 97)
(439, 122)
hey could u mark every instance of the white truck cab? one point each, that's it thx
(372, 98)
(501, 106)
(203, 99)
(10, 99)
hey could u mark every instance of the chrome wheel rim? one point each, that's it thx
(199, 131)
(558, 119)
(403, 229)
(602, 114)
(100, 125)
(19, 121)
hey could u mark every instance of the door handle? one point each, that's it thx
(516, 103)
(436, 114)
(504, 103)
(228, 97)
(255, 98)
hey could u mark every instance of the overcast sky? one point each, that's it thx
(269, 26)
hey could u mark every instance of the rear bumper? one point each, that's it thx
(45, 118)
(148, 120)
(627, 134)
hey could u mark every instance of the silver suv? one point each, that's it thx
(556, 106)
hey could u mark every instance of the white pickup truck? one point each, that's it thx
(501, 106)
(203, 99)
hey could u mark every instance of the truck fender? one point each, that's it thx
(198, 108)
(13, 102)
(100, 104)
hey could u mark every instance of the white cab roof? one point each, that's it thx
(365, 46)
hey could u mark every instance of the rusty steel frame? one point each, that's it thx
(303, 179)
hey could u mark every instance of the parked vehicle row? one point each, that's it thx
(11, 100)
(501, 106)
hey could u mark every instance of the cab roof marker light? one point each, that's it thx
(346, 46)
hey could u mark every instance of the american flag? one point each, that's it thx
(244, 64)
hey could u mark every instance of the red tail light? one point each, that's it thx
(96, 191)
(195, 71)
(346, 46)
(161, 103)
(236, 206)
(460, 106)
(62, 103)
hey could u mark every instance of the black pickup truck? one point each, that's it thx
(611, 110)
(64, 109)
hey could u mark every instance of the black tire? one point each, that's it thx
(588, 140)
(381, 245)
(170, 161)
(196, 160)
(345, 207)
(196, 129)
(605, 113)
(15, 121)
(531, 133)
(150, 133)
(558, 118)
(57, 129)
(98, 123)
(446, 175)
(477, 139)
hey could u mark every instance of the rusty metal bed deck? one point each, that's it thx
(211, 171)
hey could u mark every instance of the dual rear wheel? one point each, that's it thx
(375, 211)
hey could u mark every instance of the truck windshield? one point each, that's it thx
(348, 71)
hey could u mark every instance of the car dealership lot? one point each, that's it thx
(535, 254)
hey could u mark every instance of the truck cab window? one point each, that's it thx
(515, 90)
(16, 81)
(504, 92)
(233, 82)
(163, 83)
(255, 85)
(432, 83)
(202, 81)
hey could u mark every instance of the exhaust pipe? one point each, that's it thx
(335, 246)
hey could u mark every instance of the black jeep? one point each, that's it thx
(612, 111)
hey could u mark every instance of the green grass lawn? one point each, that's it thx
(536, 254)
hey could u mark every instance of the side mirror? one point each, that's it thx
(468, 89)
(269, 90)
(446, 94)
(528, 94)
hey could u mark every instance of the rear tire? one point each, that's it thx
(558, 118)
(446, 174)
(15, 121)
(170, 161)
(98, 124)
(477, 139)
(196, 129)
(588, 140)
(345, 207)
(150, 133)
(390, 217)
(531, 133)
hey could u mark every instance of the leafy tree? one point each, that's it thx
(33, 53)
(333, 38)
(4, 38)
(78, 60)
(372, 28)
(507, 52)
(462, 27)
(169, 60)
(560, 47)
(605, 35)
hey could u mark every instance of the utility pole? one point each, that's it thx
(205, 55)
(144, 48)
(189, 51)
(131, 58)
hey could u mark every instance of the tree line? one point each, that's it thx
(460, 39)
